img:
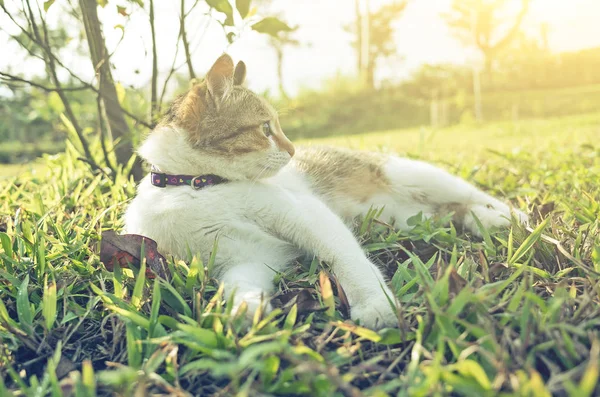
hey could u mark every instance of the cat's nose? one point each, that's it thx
(284, 143)
(291, 150)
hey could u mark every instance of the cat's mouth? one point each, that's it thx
(273, 166)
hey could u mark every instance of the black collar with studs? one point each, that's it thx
(160, 179)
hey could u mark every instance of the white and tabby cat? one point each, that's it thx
(276, 203)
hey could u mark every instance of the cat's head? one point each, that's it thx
(220, 127)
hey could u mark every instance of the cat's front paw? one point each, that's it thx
(252, 301)
(492, 216)
(521, 216)
(374, 311)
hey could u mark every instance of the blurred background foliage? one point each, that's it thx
(513, 75)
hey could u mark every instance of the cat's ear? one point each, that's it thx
(219, 78)
(240, 73)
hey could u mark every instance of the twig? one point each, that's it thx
(186, 44)
(86, 86)
(170, 74)
(395, 363)
(188, 59)
(93, 165)
(191, 8)
(154, 85)
(8, 76)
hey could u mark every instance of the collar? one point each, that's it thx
(197, 182)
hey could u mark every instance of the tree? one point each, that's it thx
(374, 36)
(480, 23)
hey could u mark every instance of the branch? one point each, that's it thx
(93, 165)
(25, 31)
(154, 88)
(50, 56)
(42, 45)
(170, 74)
(201, 36)
(184, 39)
(191, 8)
(51, 66)
(6, 76)
(26, 48)
(186, 45)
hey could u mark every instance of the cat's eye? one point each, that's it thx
(266, 128)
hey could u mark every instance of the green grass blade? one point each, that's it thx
(6, 244)
(134, 345)
(327, 294)
(49, 303)
(529, 242)
(23, 307)
(138, 289)
(156, 301)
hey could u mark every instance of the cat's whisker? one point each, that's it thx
(255, 179)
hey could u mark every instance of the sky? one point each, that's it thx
(421, 37)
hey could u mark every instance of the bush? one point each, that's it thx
(344, 112)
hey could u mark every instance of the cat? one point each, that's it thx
(275, 203)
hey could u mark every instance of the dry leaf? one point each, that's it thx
(126, 249)
(455, 282)
(302, 297)
(344, 304)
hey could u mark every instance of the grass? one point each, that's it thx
(516, 313)
(16, 170)
(19, 151)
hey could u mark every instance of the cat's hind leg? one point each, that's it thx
(416, 186)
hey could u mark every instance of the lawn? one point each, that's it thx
(516, 313)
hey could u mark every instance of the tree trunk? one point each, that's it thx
(108, 92)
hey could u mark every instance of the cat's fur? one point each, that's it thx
(277, 206)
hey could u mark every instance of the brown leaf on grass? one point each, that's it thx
(126, 250)
(302, 297)
(455, 282)
(496, 271)
(542, 210)
(64, 367)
